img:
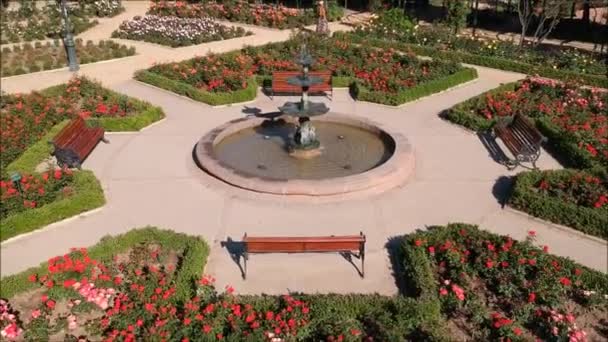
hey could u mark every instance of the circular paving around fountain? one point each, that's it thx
(356, 155)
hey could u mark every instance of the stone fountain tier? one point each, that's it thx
(303, 109)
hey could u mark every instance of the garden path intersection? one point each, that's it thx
(150, 178)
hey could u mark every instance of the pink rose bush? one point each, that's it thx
(508, 285)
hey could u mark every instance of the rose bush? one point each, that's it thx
(501, 287)
(381, 72)
(29, 22)
(26, 118)
(575, 119)
(25, 58)
(34, 191)
(176, 31)
(439, 37)
(277, 16)
(577, 199)
(144, 292)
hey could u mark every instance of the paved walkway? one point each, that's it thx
(150, 179)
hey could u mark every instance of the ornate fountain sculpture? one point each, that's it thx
(305, 143)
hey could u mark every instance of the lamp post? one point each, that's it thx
(16, 178)
(68, 39)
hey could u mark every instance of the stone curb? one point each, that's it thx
(51, 226)
(68, 69)
(550, 224)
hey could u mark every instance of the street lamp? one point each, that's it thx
(68, 39)
(16, 178)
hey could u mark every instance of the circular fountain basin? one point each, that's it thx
(354, 155)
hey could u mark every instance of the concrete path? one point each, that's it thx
(150, 179)
(120, 70)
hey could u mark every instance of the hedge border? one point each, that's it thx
(461, 113)
(487, 61)
(213, 99)
(419, 91)
(196, 251)
(88, 195)
(146, 114)
(464, 114)
(587, 220)
(88, 191)
(419, 268)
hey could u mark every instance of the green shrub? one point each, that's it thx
(88, 195)
(214, 99)
(34, 68)
(416, 92)
(526, 197)
(195, 249)
(487, 61)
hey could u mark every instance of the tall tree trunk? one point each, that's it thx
(475, 13)
(586, 11)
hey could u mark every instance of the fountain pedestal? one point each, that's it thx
(305, 144)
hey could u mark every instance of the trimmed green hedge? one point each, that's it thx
(36, 153)
(88, 195)
(195, 252)
(145, 115)
(181, 88)
(416, 92)
(587, 220)
(487, 61)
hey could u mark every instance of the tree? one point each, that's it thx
(456, 14)
(545, 13)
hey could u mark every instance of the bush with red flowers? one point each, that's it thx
(577, 199)
(26, 118)
(147, 285)
(575, 119)
(276, 16)
(34, 191)
(491, 286)
(387, 77)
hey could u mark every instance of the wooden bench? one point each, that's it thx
(280, 83)
(345, 245)
(522, 138)
(75, 141)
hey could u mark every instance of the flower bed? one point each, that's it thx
(101, 8)
(574, 119)
(26, 118)
(240, 11)
(574, 198)
(33, 191)
(493, 288)
(32, 23)
(176, 31)
(380, 76)
(436, 41)
(25, 58)
(148, 284)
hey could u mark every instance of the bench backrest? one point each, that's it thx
(304, 244)
(525, 129)
(70, 132)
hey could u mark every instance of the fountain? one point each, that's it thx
(305, 143)
(284, 153)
